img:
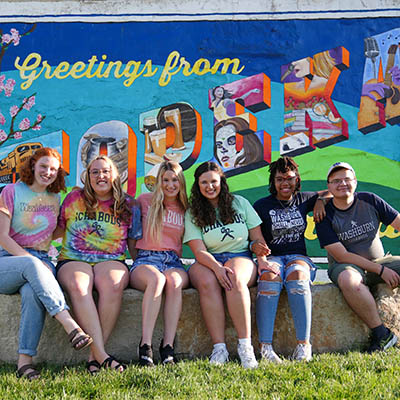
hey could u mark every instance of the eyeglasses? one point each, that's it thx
(97, 172)
(339, 181)
(289, 179)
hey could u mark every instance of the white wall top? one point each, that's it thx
(174, 10)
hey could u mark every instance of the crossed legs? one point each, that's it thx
(109, 278)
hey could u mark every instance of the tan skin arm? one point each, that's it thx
(342, 256)
(259, 247)
(261, 250)
(132, 248)
(319, 207)
(58, 233)
(396, 223)
(204, 257)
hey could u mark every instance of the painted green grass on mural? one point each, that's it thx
(313, 166)
(328, 376)
(369, 168)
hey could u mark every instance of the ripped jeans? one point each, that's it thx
(299, 297)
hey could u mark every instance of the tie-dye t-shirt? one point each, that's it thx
(33, 215)
(95, 239)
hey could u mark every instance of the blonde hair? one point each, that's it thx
(157, 208)
(119, 208)
(323, 64)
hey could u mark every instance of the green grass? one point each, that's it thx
(327, 376)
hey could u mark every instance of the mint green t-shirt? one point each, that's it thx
(220, 238)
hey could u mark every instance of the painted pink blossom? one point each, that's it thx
(10, 83)
(17, 135)
(29, 102)
(24, 124)
(9, 87)
(2, 78)
(15, 36)
(37, 128)
(3, 135)
(39, 118)
(2, 119)
(7, 92)
(14, 111)
(6, 38)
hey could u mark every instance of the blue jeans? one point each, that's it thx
(39, 292)
(162, 260)
(299, 297)
(224, 257)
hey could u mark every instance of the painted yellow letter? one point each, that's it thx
(198, 64)
(225, 62)
(26, 67)
(167, 71)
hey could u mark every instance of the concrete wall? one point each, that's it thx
(335, 328)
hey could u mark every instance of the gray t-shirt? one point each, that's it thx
(357, 228)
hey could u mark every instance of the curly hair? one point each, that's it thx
(121, 206)
(157, 208)
(203, 213)
(27, 174)
(283, 165)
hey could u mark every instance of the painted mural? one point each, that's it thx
(240, 93)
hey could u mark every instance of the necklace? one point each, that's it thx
(285, 207)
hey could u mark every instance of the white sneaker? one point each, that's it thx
(302, 352)
(247, 357)
(268, 353)
(219, 356)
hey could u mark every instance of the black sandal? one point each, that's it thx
(31, 376)
(95, 364)
(106, 364)
(77, 336)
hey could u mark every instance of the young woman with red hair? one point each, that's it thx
(28, 217)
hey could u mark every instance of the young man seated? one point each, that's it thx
(350, 234)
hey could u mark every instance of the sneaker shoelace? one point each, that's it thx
(218, 354)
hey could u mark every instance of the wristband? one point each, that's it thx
(382, 268)
(251, 244)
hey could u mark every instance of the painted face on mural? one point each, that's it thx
(301, 67)
(219, 92)
(225, 143)
(45, 172)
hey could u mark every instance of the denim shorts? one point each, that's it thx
(283, 261)
(41, 255)
(223, 258)
(162, 260)
(63, 262)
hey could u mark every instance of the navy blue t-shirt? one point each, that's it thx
(357, 227)
(284, 222)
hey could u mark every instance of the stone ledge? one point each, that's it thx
(335, 327)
